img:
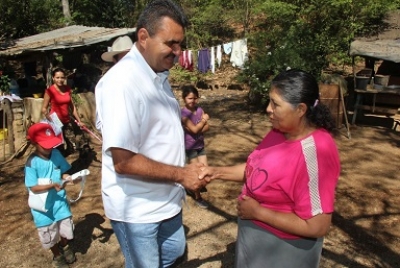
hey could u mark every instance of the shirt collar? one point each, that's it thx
(161, 76)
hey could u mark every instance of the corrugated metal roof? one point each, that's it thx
(67, 37)
(379, 49)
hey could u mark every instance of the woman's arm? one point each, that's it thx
(75, 114)
(45, 106)
(231, 173)
(317, 226)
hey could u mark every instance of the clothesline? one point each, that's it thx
(207, 58)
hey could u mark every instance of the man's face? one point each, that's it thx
(161, 49)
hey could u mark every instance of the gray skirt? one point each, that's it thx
(259, 248)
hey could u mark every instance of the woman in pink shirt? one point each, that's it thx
(58, 98)
(287, 200)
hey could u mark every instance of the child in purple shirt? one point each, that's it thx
(194, 122)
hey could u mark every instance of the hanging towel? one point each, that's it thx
(219, 55)
(227, 48)
(203, 64)
(190, 60)
(181, 60)
(187, 60)
(239, 53)
(212, 60)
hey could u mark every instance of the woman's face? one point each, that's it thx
(191, 100)
(59, 79)
(282, 114)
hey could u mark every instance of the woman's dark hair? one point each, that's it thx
(155, 11)
(186, 90)
(295, 87)
(56, 70)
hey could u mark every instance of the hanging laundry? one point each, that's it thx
(181, 60)
(219, 55)
(212, 60)
(189, 58)
(195, 58)
(185, 60)
(227, 48)
(239, 53)
(203, 64)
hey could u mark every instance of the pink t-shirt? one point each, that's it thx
(293, 176)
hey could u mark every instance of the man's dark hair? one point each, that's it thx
(158, 9)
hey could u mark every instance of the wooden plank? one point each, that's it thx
(379, 109)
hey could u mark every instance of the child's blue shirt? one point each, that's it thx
(56, 202)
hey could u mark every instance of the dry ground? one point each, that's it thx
(366, 224)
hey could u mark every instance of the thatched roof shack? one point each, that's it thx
(380, 49)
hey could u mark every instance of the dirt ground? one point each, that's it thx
(366, 224)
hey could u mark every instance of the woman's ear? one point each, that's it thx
(301, 109)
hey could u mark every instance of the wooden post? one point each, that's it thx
(8, 116)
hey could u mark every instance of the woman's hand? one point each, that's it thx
(247, 208)
(80, 124)
(47, 115)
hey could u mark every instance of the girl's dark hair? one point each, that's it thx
(186, 90)
(155, 11)
(56, 70)
(295, 87)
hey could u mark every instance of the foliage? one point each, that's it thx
(179, 75)
(75, 97)
(208, 23)
(306, 35)
(110, 14)
(4, 83)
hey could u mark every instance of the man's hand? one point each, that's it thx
(190, 177)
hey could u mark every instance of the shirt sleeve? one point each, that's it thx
(60, 161)
(317, 179)
(31, 178)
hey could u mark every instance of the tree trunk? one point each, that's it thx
(66, 11)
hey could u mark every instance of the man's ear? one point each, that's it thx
(142, 36)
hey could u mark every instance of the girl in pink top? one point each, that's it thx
(57, 99)
(287, 200)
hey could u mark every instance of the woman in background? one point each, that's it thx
(58, 99)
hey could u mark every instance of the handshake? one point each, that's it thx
(195, 176)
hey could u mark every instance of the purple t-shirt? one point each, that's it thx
(193, 141)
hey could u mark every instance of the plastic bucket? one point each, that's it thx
(382, 80)
(3, 133)
(362, 82)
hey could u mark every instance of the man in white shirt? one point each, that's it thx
(143, 173)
